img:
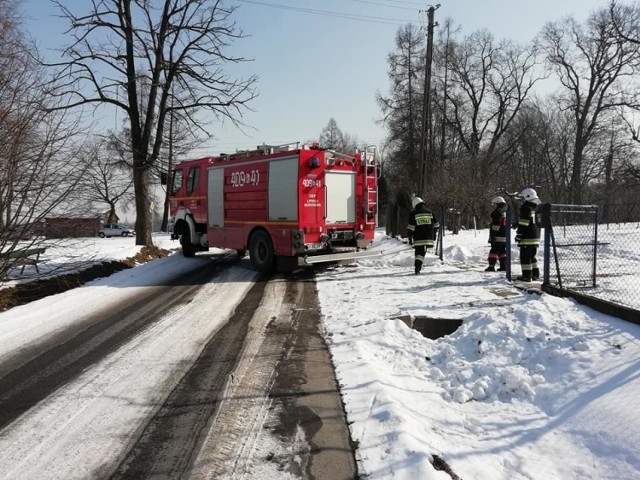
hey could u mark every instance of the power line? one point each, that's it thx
(421, 5)
(347, 16)
(387, 5)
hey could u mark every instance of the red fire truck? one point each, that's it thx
(278, 203)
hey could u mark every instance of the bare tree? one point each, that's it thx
(490, 82)
(335, 139)
(480, 86)
(119, 46)
(632, 164)
(14, 85)
(108, 180)
(402, 111)
(331, 136)
(540, 152)
(593, 66)
(626, 20)
(39, 164)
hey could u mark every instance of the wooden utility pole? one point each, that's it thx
(443, 134)
(425, 147)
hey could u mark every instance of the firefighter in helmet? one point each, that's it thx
(528, 235)
(422, 230)
(498, 235)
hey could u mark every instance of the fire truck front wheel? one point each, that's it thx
(188, 249)
(261, 252)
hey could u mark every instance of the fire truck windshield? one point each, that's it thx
(177, 181)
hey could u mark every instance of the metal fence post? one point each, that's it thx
(441, 231)
(595, 244)
(508, 244)
(546, 259)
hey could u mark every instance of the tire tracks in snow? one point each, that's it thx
(87, 422)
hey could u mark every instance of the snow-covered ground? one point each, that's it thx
(528, 387)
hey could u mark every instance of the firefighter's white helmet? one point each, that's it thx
(497, 200)
(530, 195)
(416, 201)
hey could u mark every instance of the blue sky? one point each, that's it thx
(314, 66)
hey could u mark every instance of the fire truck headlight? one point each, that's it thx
(297, 235)
(324, 238)
(297, 244)
(359, 236)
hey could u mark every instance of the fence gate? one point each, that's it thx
(577, 263)
(570, 245)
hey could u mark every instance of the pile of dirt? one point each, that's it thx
(24, 293)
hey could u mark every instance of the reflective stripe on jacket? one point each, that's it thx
(528, 225)
(498, 231)
(422, 226)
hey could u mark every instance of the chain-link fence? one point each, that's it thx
(602, 262)
(572, 239)
(581, 255)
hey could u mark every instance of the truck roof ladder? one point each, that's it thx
(370, 165)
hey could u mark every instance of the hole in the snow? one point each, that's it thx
(430, 327)
(435, 327)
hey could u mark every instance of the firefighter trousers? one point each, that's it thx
(420, 251)
(497, 253)
(528, 261)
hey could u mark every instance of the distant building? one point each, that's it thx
(72, 227)
(110, 217)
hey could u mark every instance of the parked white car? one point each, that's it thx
(115, 230)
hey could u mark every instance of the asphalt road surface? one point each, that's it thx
(252, 396)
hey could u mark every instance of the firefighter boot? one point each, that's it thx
(418, 266)
(535, 274)
(503, 265)
(492, 265)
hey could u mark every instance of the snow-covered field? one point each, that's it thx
(618, 264)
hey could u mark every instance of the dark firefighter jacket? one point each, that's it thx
(528, 232)
(423, 226)
(498, 230)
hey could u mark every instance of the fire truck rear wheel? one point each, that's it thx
(261, 252)
(188, 249)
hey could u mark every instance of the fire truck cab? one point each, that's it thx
(278, 203)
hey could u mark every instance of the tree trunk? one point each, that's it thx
(143, 207)
(165, 214)
(607, 184)
(576, 174)
(112, 218)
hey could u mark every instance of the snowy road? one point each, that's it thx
(179, 380)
